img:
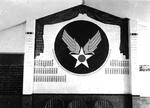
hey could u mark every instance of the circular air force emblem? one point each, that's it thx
(81, 47)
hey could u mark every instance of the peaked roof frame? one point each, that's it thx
(73, 12)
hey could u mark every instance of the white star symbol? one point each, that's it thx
(81, 58)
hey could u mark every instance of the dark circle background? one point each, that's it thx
(81, 31)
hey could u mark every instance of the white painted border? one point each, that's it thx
(29, 57)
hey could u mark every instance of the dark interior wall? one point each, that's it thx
(11, 80)
(10, 101)
(11, 73)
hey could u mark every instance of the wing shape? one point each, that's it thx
(92, 44)
(73, 46)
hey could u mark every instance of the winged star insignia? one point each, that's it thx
(79, 53)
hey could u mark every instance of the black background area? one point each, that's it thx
(81, 31)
